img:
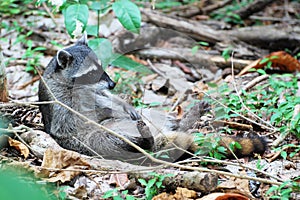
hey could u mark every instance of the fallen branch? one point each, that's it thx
(195, 30)
(199, 59)
(253, 7)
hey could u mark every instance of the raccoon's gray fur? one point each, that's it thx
(76, 78)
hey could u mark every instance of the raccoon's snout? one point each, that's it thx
(111, 84)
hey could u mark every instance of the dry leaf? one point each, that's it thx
(19, 146)
(183, 67)
(184, 193)
(224, 196)
(236, 185)
(198, 88)
(280, 60)
(163, 196)
(181, 193)
(136, 59)
(119, 180)
(70, 161)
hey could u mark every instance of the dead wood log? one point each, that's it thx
(3, 81)
(203, 182)
(253, 7)
(200, 59)
(273, 37)
(195, 30)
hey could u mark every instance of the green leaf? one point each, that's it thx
(283, 154)
(151, 182)
(103, 49)
(128, 64)
(195, 49)
(261, 71)
(158, 184)
(142, 181)
(128, 14)
(117, 198)
(153, 104)
(109, 193)
(102, 6)
(92, 30)
(203, 43)
(129, 197)
(74, 15)
(264, 60)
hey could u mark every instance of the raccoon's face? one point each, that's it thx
(79, 65)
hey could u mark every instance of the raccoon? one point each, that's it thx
(76, 78)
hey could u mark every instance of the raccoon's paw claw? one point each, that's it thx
(132, 112)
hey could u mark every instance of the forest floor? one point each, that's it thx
(246, 68)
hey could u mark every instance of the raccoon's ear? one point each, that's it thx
(63, 58)
(83, 40)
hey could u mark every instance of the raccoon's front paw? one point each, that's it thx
(132, 112)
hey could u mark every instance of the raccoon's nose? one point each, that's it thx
(111, 85)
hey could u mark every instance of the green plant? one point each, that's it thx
(268, 61)
(284, 154)
(12, 177)
(273, 101)
(263, 101)
(197, 47)
(259, 166)
(227, 13)
(226, 53)
(210, 145)
(76, 15)
(284, 191)
(154, 185)
(33, 56)
(115, 194)
(62, 194)
(9, 7)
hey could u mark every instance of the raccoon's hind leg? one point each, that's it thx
(147, 137)
(193, 115)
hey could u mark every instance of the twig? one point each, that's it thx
(275, 19)
(34, 79)
(234, 125)
(252, 83)
(49, 13)
(154, 69)
(181, 96)
(233, 164)
(86, 146)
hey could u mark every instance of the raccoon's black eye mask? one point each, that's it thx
(91, 77)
